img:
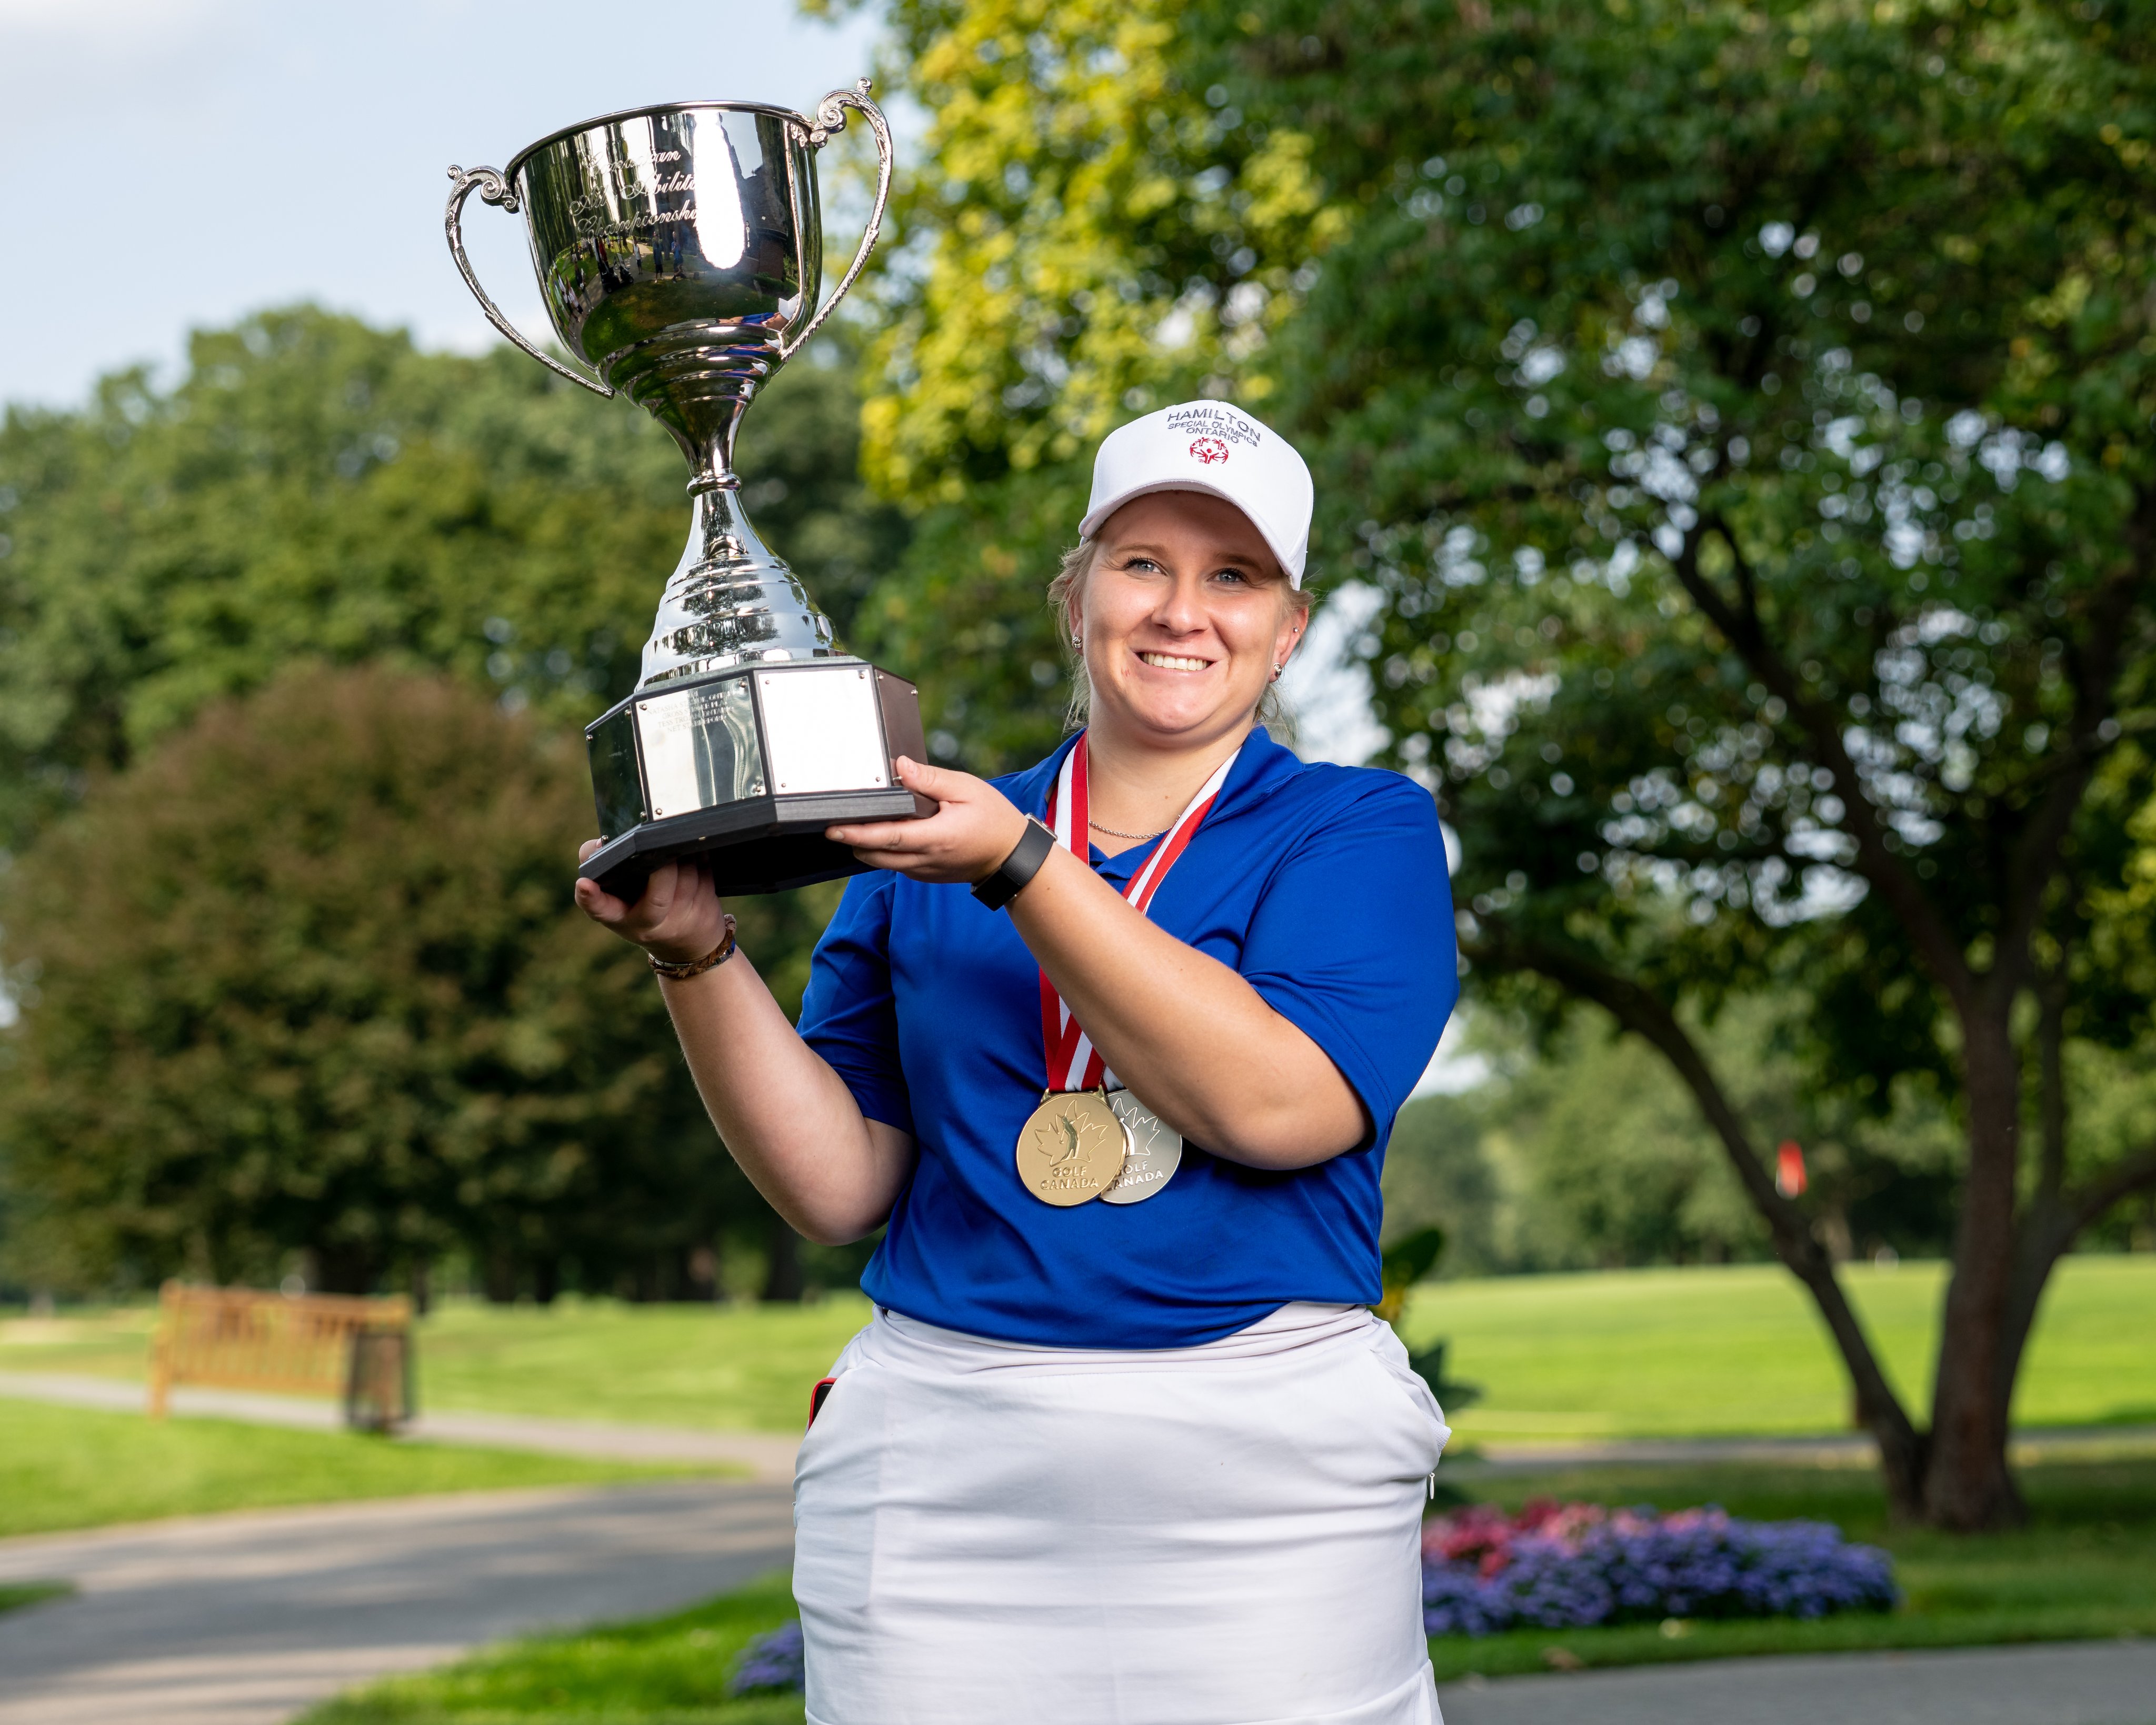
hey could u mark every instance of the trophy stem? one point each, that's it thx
(729, 600)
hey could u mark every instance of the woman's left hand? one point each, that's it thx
(966, 839)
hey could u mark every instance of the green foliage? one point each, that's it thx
(1790, 401)
(308, 975)
(1088, 234)
(15, 1596)
(1428, 1363)
(62, 1468)
(664, 1670)
(1584, 1150)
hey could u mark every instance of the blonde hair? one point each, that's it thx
(1272, 711)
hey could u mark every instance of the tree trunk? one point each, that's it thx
(1968, 1486)
(1904, 1450)
(545, 1278)
(498, 1278)
(782, 1275)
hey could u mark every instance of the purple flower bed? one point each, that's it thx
(1570, 1565)
(772, 1662)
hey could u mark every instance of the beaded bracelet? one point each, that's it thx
(696, 967)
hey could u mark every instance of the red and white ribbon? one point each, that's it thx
(1073, 1061)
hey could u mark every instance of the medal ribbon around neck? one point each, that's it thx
(1073, 1062)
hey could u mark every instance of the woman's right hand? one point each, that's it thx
(678, 921)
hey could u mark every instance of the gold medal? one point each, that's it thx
(1155, 1151)
(1072, 1148)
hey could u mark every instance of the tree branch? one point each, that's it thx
(1745, 632)
(2035, 855)
(2083, 1208)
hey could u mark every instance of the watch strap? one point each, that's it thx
(998, 889)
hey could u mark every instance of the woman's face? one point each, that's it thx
(1183, 616)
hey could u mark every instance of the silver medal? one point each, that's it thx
(1155, 1151)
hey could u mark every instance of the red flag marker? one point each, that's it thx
(1790, 1168)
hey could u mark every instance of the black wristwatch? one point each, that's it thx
(997, 889)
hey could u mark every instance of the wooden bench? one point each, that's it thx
(291, 1344)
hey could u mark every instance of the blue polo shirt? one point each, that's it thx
(1324, 886)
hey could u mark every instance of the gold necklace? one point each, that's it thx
(1117, 832)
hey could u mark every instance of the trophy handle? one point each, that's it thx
(492, 188)
(830, 120)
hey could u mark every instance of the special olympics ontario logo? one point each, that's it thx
(1210, 450)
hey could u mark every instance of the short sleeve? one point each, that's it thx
(1353, 939)
(848, 1013)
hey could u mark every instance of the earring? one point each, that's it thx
(1075, 641)
(1277, 671)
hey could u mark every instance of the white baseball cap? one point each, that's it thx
(1208, 446)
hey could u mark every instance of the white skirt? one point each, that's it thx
(990, 1534)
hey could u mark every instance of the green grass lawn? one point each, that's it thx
(1621, 1353)
(1740, 1350)
(69, 1467)
(2086, 1567)
(666, 1671)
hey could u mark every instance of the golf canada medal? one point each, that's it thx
(1072, 1147)
(1155, 1151)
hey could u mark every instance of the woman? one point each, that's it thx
(1122, 1443)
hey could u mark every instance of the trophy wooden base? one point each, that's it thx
(745, 767)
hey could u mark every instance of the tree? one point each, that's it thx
(1743, 411)
(308, 975)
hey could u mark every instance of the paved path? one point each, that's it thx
(2092, 1683)
(244, 1619)
(764, 1456)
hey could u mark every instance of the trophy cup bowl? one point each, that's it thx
(680, 255)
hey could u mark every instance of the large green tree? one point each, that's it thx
(307, 976)
(1743, 411)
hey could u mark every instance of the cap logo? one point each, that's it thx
(1209, 450)
(1217, 421)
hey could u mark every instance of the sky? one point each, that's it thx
(172, 164)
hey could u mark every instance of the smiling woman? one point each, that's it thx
(1127, 1139)
(1238, 562)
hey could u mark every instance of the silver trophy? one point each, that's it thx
(679, 252)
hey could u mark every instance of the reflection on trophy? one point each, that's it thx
(679, 252)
